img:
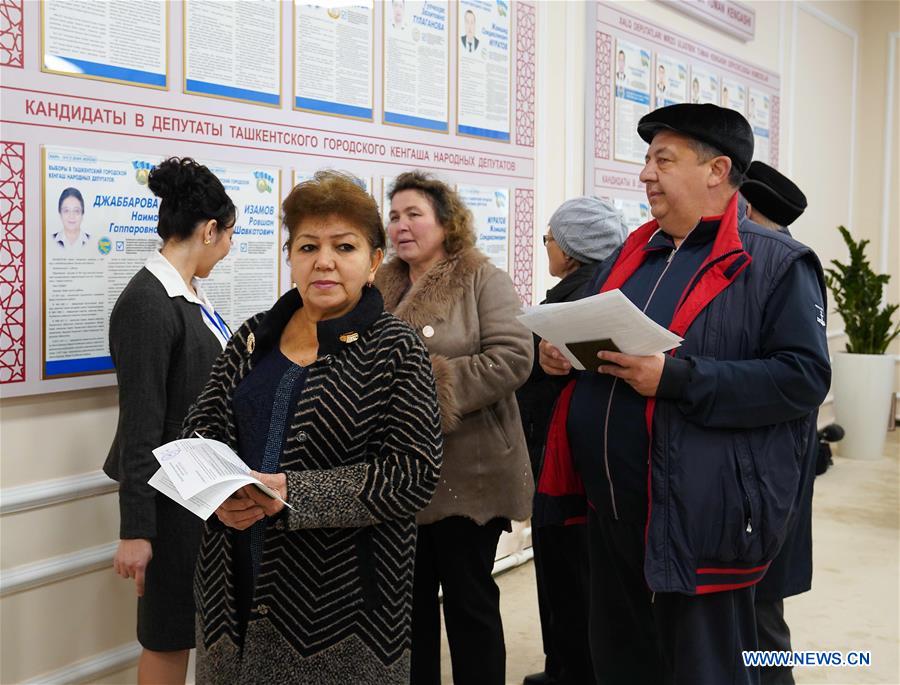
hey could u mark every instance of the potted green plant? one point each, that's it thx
(863, 374)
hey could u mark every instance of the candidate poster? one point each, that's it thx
(734, 95)
(632, 99)
(416, 64)
(670, 81)
(490, 211)
(99, 226)
(233, 50)
(635, 212)
(246, 282)
(333, 59)
(483, 69)
(104, 39)
(387, 183)
(704, 85)
(759, 116)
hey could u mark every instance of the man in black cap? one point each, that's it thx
(689, 460)
(774, 201)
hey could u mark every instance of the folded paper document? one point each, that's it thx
(608, 321)
(200, 474)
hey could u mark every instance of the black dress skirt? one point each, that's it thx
(163, 353)
(165, 615)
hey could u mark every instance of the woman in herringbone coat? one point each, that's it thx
(331, 401)
(464, 309)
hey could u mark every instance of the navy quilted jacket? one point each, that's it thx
(728, 440)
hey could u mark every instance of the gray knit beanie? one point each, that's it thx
(588, 229)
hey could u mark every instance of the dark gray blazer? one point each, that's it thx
(163, 353)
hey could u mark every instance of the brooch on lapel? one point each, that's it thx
(350, 337)
(251, 343)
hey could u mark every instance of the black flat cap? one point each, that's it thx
(773, 194)
(724, 129)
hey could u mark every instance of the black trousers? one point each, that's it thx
(666, 638)
(458, 554)
(563, 580)
(774, 635)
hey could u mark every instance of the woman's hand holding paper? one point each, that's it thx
(240, 511)
(276, 482)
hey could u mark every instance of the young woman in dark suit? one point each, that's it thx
(164, 336)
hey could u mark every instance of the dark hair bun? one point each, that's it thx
(162, 180)
(190, 193)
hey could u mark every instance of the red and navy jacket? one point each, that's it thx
(728, 430)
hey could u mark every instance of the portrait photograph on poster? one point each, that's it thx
(704, 85)
(632, 94)
(734, 95)
(483, 69)
(670, 81)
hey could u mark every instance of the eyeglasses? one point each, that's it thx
(547, 238)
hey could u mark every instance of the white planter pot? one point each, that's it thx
(862, 386)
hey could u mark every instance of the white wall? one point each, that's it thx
(841, 168)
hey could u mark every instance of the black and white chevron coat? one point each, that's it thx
(362, 456)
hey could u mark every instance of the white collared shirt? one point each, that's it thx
(60, 239)
(175, 286)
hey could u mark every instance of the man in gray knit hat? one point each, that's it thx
(582, 232)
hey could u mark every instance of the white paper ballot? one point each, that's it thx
(200, 474)
(607, 316)
(203, 505)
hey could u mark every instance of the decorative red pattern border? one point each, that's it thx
(602, 106)
(12, 262)
(12, 33)
(525, 32)
(523, 263)
(774, 131)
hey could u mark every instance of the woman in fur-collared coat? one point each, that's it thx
(464, 309)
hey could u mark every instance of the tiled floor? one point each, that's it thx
(854, 603)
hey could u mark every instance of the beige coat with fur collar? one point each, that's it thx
(464, 309)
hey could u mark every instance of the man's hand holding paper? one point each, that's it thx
(640, 372)
(608, 321)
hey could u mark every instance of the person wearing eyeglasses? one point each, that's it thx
(71, 213)
(581, 233)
